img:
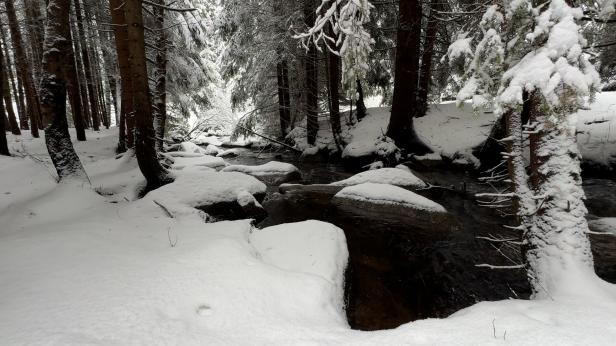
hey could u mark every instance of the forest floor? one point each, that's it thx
(98, 266)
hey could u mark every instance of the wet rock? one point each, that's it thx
(315, 191)
(245, 207)
(396, 207)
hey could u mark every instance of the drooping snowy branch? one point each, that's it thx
(348, 38)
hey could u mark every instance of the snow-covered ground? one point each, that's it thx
(454, 131)
(82, 268)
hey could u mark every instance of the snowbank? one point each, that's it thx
(391, 176)
(389, 194)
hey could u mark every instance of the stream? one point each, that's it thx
(399, 272)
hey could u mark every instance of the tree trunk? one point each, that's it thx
(284, 99)
(312, 97)
(87, 66)
(149, 165)
(81, 79)
(333, 80)
(160, 76)
(21, 113)
(53, 87)
(425, 75)
(126, 138)
(72, 87)
(404, 104)
(557, 246)
(6, 95)
(35, 22)
(359, 104)
(23, 69)
(4, 147)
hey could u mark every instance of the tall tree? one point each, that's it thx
(312, 92)
(23, 68)
(160, 76)
(406, 79)
(149, 165)
(126, 138)
(87, 66)
(53, 86)
(6, 96)
(23, 117)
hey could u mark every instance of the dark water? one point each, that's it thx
(400, 272)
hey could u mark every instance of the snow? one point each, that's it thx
(449, 130)
(391, 176)
(78, 268)
(229, 152)
(389, 194)
(270, 168)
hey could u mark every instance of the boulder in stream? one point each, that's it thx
(271, 173)
(395, 206)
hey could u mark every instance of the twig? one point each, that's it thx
(164, 209)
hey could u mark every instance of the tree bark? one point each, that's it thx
(425, 75)
(72, 87)
(404, 104)
(334, 79)
(126, 137)
(160, 76)
(359, 103)
(81, 79)
(284, 99)
(21, 113)
(53, 86)
(87, 66)
(149, 165)
(312, 97)
(6, 95)
(23, 69)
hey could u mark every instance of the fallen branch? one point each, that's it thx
(164, 209)
(268, 138)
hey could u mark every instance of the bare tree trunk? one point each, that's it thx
(23, 69)
(408, 43)
(149, 165)
(6, 95)
(359, 104)
(53, 86)
(284, 102)
(425, 75)
(81, 79)
(87, 66)
(72, 87)
(160, 77)
(4, 147)
(21, 112)
(126, 135)
(312, 92)
(333, 80)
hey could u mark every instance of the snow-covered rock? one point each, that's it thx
(191, 147)
(273, 172)
(391, 176)
(312, 247)
(212, 150)
(229, 153)
(180, 163)
(213, 191)
(603, 225)
(386, 194)
(395, 206)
